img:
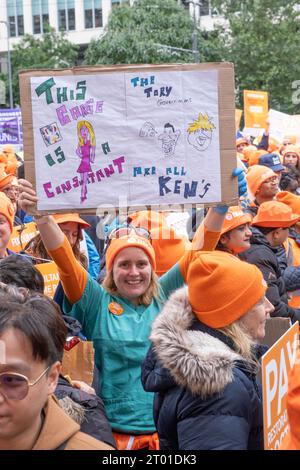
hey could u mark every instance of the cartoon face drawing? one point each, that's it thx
(200, 132)
(169, 139)
(147, 130)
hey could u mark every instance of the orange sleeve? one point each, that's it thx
(72, 275)
(210, 241)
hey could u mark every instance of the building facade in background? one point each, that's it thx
(82, 20)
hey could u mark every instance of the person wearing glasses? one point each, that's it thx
(117, 315)
(32, 337)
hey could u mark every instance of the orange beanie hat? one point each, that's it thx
(248, 151)
(256, 175)
(168, 251)
(254, 157)
(290, 200)
(291, 138)
(148, 220)
(11, 168)
(222, 288)
(7, 209)
(234, 218)
(3, 158)
(8, 148)
(118, 244)
(241, 140)
(168, 246)
(5, 179)
(273, 145)
(291, 149)
(275, 214)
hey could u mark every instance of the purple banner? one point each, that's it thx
(11, 131)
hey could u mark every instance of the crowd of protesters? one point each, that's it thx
(176, 322)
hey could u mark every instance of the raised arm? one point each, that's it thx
(73, 276)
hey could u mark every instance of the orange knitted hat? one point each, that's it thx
(222, 288)
(168, 251)
(248, 151)
(168, 246)
(275, 214)
(292, 138)
(254, 157)
(8, 148)
(118, 244)
(290, 200)
(234, 218)
(273, 145)
(241, 140)
(291, 149)
(7, 209)
(256, 175)
(5, 179)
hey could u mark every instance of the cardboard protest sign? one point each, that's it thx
(130, 136)
(276, 365)
(279, 122)
(238, 116)
(51, 277)
(78, 362)
(255, 109)
(21, 235)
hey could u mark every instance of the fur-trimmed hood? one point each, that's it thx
(195, 359)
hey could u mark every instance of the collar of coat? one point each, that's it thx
(199, 359)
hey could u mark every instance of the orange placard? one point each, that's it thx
(51, 277)
(276, 365)
(21, 235)
(256, 109)
(238, 116)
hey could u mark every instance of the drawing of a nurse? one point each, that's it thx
(86, 151)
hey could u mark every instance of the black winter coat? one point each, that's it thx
(265, 258)
(91, 408)
(206, 396)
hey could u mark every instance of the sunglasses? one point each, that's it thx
(16, 386)
(123, 231)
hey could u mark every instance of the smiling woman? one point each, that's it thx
(117, 315)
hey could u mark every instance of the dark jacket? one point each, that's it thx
(206, 395)
(90, 414)
(265, 258)
(252, 208)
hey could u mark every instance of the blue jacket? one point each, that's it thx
(206, 395)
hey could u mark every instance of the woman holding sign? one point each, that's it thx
(117, 315)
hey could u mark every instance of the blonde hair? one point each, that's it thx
(152, 292)
(244, 344)
(202, 123)
(89, 127)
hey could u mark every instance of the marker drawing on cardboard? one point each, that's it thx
(86, 151)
